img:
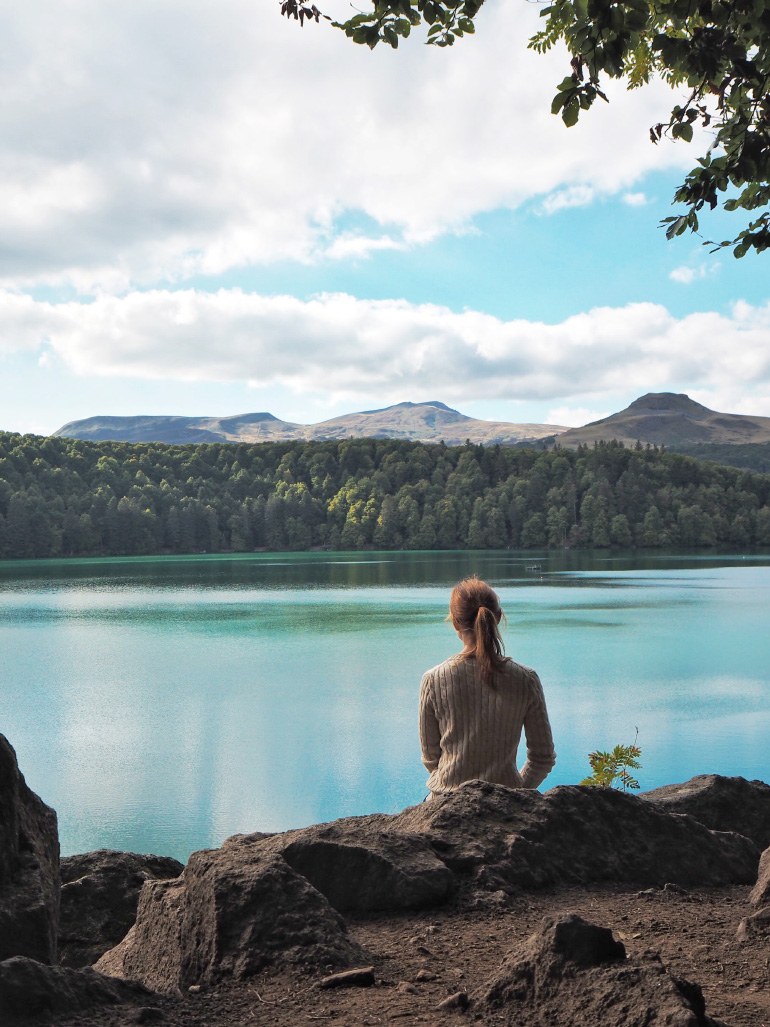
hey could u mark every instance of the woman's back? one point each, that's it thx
(469, 729)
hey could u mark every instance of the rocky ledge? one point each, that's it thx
(262, 904)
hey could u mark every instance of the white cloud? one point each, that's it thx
(575, 417)
(572, 196)
(635, 199)
(686, 275)
(161, 139)
(730, 397)
(359, 246)
(348, 347)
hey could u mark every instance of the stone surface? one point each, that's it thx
(459, 1001)
(99, 897)
(504, 839)
(721, 803)
(571, 973)
(362, 977)
(755, 926)
(501, 840)
(232, 912)
(362, 863)
(29, 867)
(263, 898)
(29, 988)
(760, 893)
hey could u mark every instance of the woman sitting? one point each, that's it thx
(474, 705)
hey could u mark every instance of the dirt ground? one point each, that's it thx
(420, 959)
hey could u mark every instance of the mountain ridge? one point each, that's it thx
(659, 418)
(431, 421)
(669, 419)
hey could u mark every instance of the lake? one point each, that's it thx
(162, 704)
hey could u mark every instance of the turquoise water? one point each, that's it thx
(162, 704)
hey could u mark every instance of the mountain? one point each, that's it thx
(672, 420)
(416, 422)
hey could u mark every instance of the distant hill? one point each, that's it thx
(672, 420)
(415, 422)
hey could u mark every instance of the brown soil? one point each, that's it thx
(420, 959)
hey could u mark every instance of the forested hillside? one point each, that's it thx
(749, 456)
(66, 497)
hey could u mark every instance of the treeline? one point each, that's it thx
(67, 497)
(749, 456)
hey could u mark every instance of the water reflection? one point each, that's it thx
(162, 704)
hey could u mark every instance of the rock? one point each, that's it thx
(424, 975)
(574, 835)
(504, 839)
(262, 898)
(720, 803)
(571, 973)
(459, 1000)
(405, 988)
(362, 977)
(29, 988)
(363, 863)
(674, 889)
(232, 912)
(99, 896)
(755, 926)
(29, 867)
(147, 1014)
(760, 893)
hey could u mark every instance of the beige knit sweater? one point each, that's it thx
(469, 730)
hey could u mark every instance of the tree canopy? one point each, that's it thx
(65, 497)
(716, 51)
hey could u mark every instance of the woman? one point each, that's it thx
(474, 705)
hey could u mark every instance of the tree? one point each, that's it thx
(717, 50)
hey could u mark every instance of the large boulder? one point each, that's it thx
(503, 838)
(362, 863)
(571, 973)
(99, 895)
(232, 912)
(721, 803)
(29, 867)
(262, 898)
(29, 988)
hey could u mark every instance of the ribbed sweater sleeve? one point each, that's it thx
(537, 730)
(430, 733)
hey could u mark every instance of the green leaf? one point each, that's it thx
(571, 112)
(558, 102)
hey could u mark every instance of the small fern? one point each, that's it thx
(611, 769)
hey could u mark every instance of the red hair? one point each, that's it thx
(474, 606)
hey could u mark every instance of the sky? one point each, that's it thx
(208, 210)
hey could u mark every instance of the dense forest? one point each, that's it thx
(750, 456)
(66, 497)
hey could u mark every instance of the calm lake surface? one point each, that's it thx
(162, 704)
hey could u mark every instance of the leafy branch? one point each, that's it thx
(390, 19)
(719, 49)
(611, 769)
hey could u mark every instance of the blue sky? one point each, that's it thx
(213, 211)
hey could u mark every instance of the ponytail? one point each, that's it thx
(489, 646)
(475, 607)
